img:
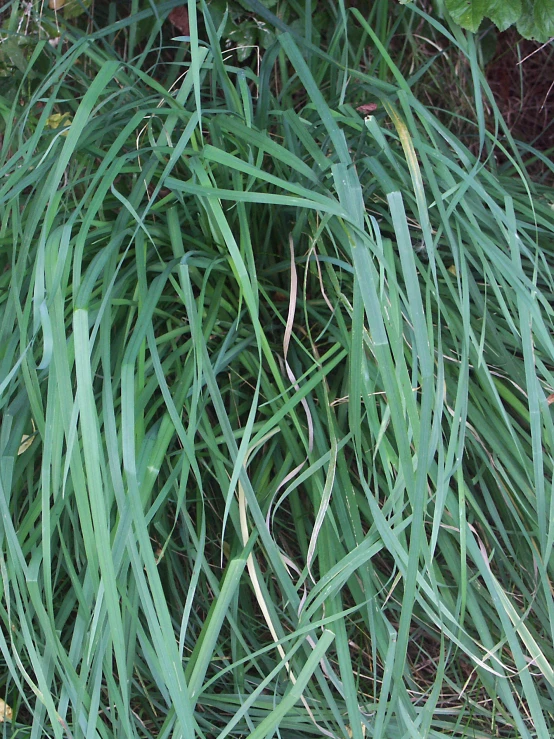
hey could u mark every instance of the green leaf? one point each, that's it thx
(75, 8)
(537, 20)
(544, 19)
(503, 13)
(470, 13)
(13, 55)
(245, 38)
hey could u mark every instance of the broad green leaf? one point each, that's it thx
(537, 20)
(470, 13)
(11, 54)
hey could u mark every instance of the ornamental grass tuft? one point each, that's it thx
(276, 379)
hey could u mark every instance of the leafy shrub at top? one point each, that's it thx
(534, 18)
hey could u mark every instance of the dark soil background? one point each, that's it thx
(521, 76)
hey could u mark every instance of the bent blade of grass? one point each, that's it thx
(271, 722)
(204, 651)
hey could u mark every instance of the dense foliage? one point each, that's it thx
(276, 374)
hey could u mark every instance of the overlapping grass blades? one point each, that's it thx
(284, 375)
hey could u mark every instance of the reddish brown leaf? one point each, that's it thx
(367, 108)
(180, 19)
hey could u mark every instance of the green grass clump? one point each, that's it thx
(275, 383)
